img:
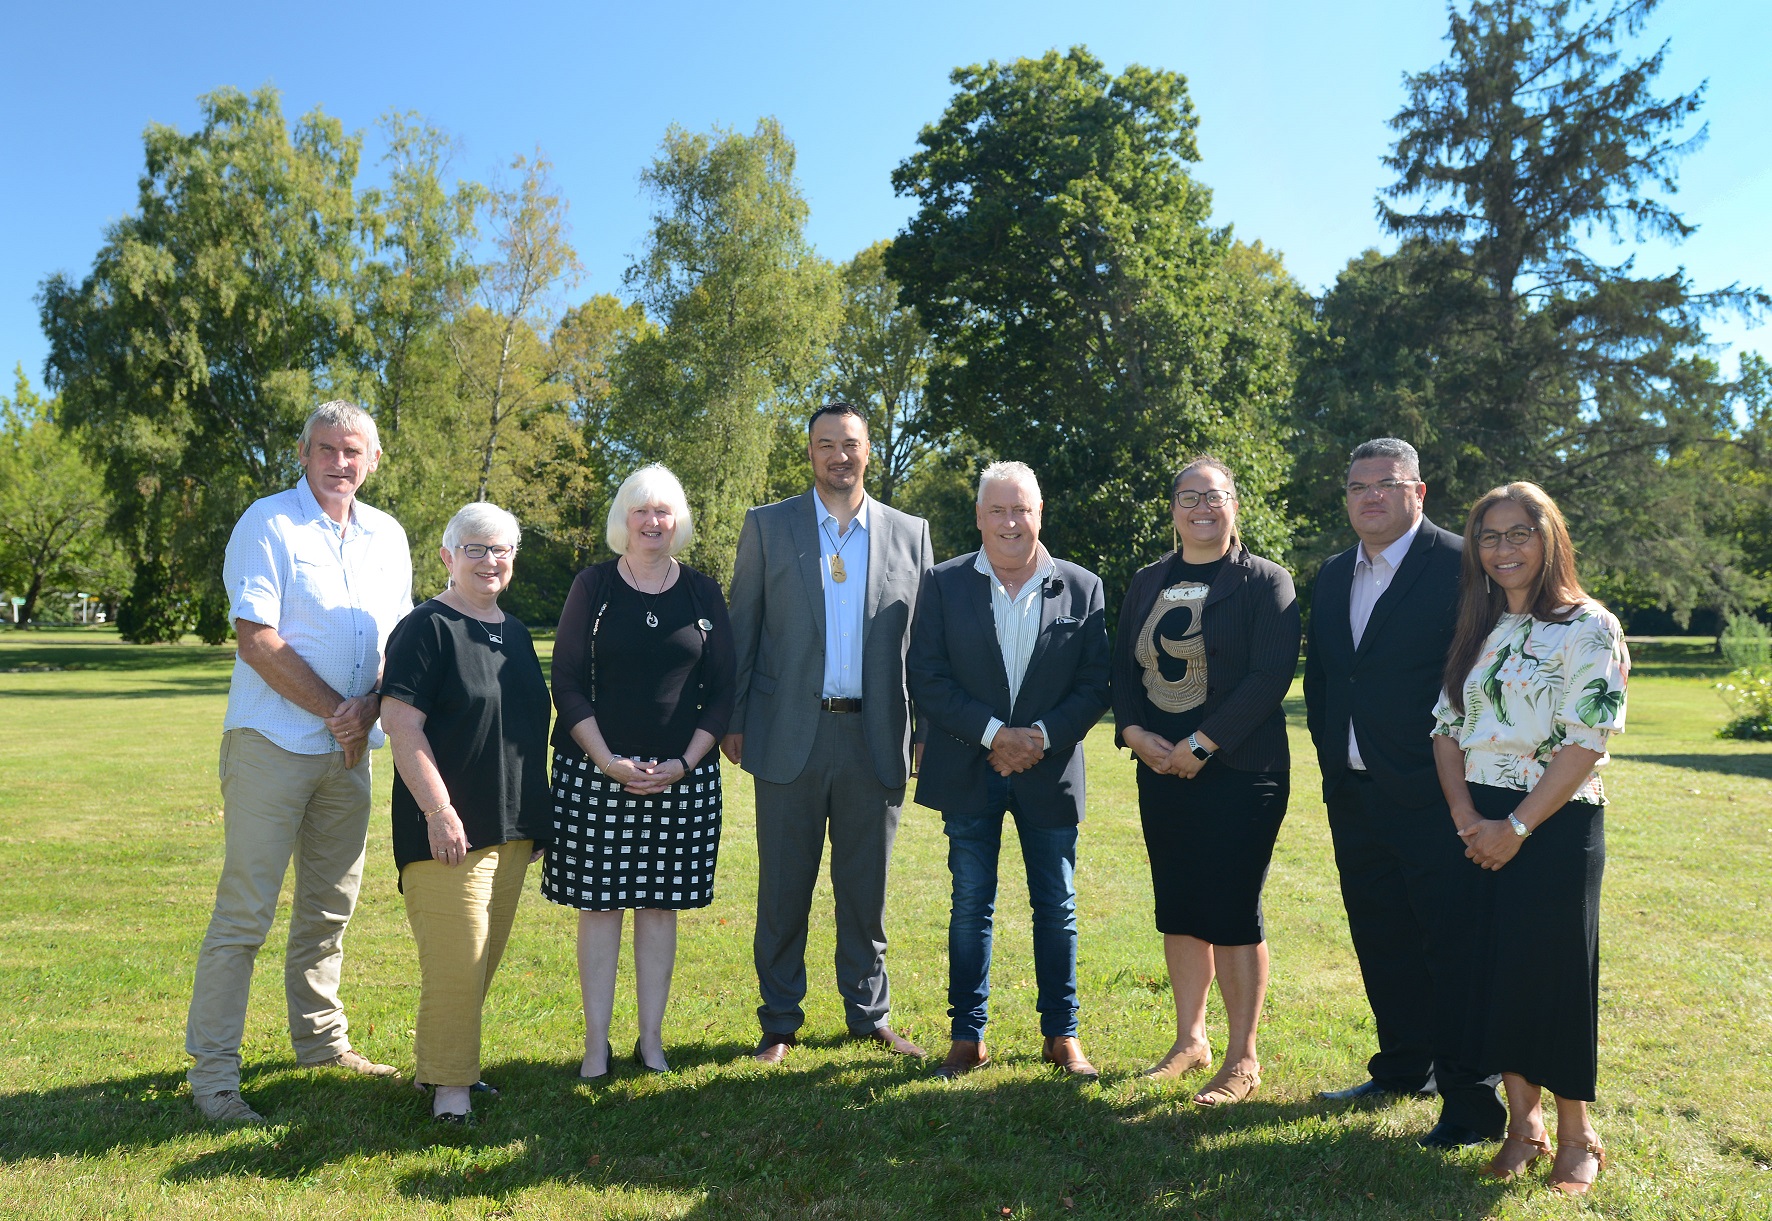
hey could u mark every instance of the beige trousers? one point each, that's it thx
(461, 918)
(277, 805)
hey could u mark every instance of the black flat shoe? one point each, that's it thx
(1445, 1135)
(479, 1087)
(608, 1068)
(459, 1119)
(1366, 1091)
(641, 1061)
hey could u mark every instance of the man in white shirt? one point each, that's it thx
(1009, 665)
(316, 581)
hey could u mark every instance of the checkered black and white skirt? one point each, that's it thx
(613, 850)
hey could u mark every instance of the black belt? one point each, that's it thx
(832, 703)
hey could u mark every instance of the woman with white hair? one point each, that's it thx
(465, 704)
(644, 680)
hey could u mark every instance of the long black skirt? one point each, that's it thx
(1210, 840)
(1537, 1010)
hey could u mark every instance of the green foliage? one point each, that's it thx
(1744, 642)
(746, 311)
(1088, 320)
(1748, 692)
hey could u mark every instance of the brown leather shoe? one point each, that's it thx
(891, 1040)
(1065, 1052)
(964, 1056)
(774, 1047)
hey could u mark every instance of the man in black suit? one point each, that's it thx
(1009, 667)
(1382, 619)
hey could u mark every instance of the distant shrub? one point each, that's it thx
(1748, 692)
(1745, 643)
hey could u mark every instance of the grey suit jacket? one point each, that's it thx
(959, 683)
(777, 606)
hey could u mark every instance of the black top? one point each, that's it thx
(486, 717)
(1387, 687)
(650, 688)
(1246, 643)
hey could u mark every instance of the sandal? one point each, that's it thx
(1230, 1085)
(1176, 1064)
(1564, 1180)
(1505, 1165)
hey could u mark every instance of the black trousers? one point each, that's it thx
(1414, 909)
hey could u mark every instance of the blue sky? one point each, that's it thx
(1293, 98)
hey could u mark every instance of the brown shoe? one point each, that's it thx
(352, 1062)
(774, 1047)
(1178, 1064)
(1065, 1052)
(892, 1041)
(1229, 1085)
(964, 1056)
(1566, 1172)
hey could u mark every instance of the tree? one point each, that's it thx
(1534, 135)
(746, 311)
(209, 324)
(52, 505)
(1088, 319)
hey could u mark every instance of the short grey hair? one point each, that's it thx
(339, 413)
(650, 485)
(1019, 473)
(1388, 447)
(482, 519)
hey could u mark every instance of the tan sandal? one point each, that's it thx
(1504, 1166)
(1563, 1180)
(1230, 1085)
(1177, 1064)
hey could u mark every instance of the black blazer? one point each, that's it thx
(1251, 655)
(959, 683)
(1388, 686)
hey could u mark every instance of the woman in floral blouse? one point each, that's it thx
(1534, 688)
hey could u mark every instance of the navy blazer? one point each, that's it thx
(959, 683)
(1387, 687)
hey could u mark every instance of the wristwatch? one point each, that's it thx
(1520, 828)
(1200, 752)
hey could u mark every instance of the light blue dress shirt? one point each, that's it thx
(1018, 626)
(844, 601)
(332, 593)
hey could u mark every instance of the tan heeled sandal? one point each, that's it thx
(1510, 1162)
(1178, 1064)
(1573, 1186)
(1230, 1085)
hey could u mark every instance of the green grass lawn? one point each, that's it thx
(110, 842)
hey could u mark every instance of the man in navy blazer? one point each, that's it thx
(1382, 618)
(1009, 666)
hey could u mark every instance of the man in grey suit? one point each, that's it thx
(1009, 666)
(823, 592)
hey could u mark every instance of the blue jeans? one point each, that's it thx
(1050, 854)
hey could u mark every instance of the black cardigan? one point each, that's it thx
(1252, 640)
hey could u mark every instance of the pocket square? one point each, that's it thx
(1061, 619)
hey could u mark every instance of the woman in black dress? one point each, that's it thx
(1206, 649)
(644, 681)
(465, 705)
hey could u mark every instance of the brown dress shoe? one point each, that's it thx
(774, 1047)
(964, 1056)
(892, 1041)
(1065, 1052)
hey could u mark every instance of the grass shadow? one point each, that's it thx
(1756, 765)
(162, 688)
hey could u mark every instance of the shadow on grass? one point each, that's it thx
(163, 688)
(839, 1131)
(19, 652)
(1759, 765)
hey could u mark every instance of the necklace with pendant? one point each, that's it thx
(651, 617)
(839, 574)
(498, 639)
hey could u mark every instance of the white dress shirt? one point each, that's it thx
(333, 593)
(1372, 576)
(845, 600)
(1017, 621)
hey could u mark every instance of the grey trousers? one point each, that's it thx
(276, 806)
(838, 790)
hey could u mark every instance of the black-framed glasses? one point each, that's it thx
(1216, 498)
(1384, 487)
(479, 551)
(1516, 536)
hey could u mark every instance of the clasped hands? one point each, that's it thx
(1491, 843)
(350, 723)
(635, 776)
(1016, 750)
(1162, 756)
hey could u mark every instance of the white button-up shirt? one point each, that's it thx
(1017, 620)
(845, 600)
(333, 593)
(1372, 576)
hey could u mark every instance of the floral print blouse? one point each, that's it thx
(1536, 688)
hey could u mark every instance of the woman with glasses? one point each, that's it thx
(644, 681)
(1207, 645)
(1535, 685)
(464, 701)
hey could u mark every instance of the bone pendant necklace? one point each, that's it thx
(839, 573)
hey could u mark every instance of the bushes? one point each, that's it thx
(1745, 643)
(1749, 695)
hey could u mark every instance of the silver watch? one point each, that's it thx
(1520, 828)
(1200, 752)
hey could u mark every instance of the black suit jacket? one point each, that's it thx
(1386, 687)
(959, 683)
